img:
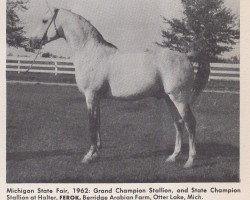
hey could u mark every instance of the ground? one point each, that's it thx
(47, 137)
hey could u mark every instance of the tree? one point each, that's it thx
(234, 60)
(207, 29)
(15, 35)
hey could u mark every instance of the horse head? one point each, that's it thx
(48, 30)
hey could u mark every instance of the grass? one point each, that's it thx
(68, 78)
(47, 137)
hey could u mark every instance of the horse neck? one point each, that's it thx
(81, 35)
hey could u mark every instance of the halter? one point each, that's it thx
(44, 37)
(52, 21)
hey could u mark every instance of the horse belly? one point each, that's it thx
(134, 87)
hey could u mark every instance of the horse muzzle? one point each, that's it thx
(36, 43)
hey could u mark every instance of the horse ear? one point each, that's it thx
(49, 6)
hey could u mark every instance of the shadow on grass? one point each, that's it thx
(27, 155)
(137, 106)
(205, 151)
(209, 154)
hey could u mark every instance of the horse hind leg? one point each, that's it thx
(190, 123)
(179, 126)
(94, 128)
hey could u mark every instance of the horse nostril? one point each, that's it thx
(31, 43)
(34, 43)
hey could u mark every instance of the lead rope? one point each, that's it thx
(33, 62)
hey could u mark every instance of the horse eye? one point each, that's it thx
(45, 21)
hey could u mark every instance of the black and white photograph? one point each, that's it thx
(123, 91)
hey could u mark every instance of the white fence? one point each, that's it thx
(219, 71)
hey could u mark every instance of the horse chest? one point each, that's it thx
(89, 76)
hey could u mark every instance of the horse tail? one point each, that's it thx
(201, 79)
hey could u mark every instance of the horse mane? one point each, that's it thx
(92, 30)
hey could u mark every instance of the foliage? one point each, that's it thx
(48, 55)
(234, 60)
(207, 29)
(14, 28)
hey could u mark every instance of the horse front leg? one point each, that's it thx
(93, 106)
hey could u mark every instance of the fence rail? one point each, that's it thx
(219, 71)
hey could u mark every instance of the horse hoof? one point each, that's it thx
(88, 159)
(188, 165)
(99, 146)
(170, 159)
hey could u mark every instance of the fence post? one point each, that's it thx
(18, 67)
(56, 68)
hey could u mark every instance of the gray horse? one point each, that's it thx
(102, 71)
